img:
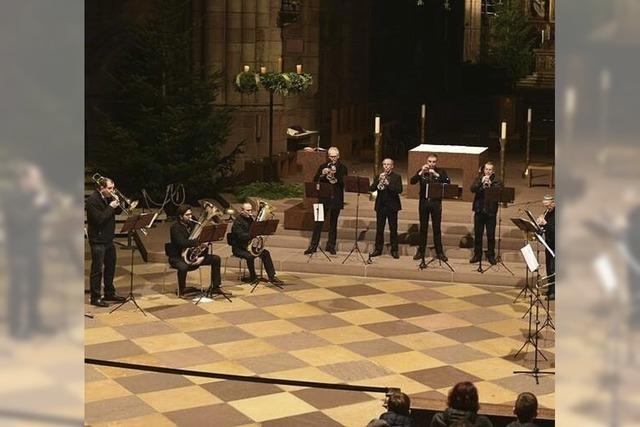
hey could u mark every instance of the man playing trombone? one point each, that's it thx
(102, 207)
(180, 233)
(389, 186)
(333, 173)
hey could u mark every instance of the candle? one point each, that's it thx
(423, 111)
(280, 64)
(529, 115)
(246, 68)
(503, 131)
(542, 42)
(263, 70)
(570, 101)
(299, 68)
(376, 128)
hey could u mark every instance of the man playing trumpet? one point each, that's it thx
(484, 214)
(180, 232)
(333, 173)
(389, 186)
(102, 207)
(430, 174)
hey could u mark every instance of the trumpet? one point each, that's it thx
(331, 173)
(486, 181)
(383, 181)
(127, 205)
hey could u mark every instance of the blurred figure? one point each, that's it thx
(462, 404)
(548, 223)
(102, 207)
(25, 202)
(526, 409)
(632, 237)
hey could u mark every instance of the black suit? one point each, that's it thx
(550, 238)
(331, 205)
(179, 242)
(239, 238)
(484, 216)
(387, 207)
(429, 206)
(101, 226)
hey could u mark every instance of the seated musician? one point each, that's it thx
(239, 239)
(180, 232)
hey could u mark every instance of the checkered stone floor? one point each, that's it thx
(420, 336)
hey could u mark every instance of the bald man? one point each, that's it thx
(389, 186)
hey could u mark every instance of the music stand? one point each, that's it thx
(131, 225)
(208, 235)
(358, 185)
(263, 228)
(502, 196)
(318, 190)
(438, 190)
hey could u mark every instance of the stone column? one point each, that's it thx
(472, 30)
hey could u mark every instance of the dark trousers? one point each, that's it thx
(332, 214)
(433, 209)
(182, 268)
(550, 264)
(265, 256)
(103, 266)
(25, 282)
(482, 221)
(382, 217)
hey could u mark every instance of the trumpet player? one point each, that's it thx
(430, 173)
(389, 186)
(240, 237)
(180, 232)
(102, 207)
(333, 173)
(547, 221)
(484, 216)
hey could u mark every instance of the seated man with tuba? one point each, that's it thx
(240, 240)
(181, 239)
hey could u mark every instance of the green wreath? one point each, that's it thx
(276, 82)
(300, 83)
(247, 82)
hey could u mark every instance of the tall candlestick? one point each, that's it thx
(529, 115)
(503, 131)
(263, 70)
(542, 42)
(246, 68)
(299, 68)
(423, 111)
(376, 128)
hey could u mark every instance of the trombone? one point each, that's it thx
(127, 205)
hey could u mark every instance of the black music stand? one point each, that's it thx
(318, 190)
(208, 235)
(131, 225)
(502, 196)
(263, 228)
(438, 190)
(358, 185)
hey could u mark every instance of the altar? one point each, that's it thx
(458, 160)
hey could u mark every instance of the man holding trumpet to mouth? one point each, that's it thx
(102, 207)
(428, 174)
(389, 186)
(484, 216)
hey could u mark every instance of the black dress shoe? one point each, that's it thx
(442, 257)
(551, 296)
(395, 254)
(217, 290)
(99, 302)
(332, 251)
(419, 254)
(250, 279)
(310, 250)
(276, 281)
(492, 260)
(114, 298)
(377, 252)
(475, 258)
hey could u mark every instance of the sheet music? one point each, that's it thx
(318, 212)
(530, 257)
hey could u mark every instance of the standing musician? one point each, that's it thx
(548, 223)
(332, 173)
(102, 207)
(485, 213)
(389, 186)
(239, 239)
(429, 174)
(180, 232)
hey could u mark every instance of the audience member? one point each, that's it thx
(462, 404)
(398, 410)
(526, 409)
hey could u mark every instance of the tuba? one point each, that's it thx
(194, 256)
(256, 245)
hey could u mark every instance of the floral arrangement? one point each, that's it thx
(249, 83)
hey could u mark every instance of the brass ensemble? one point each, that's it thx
(257, 244)
(194, 255)
(127, 205)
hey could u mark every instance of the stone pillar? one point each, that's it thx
(472, 30)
